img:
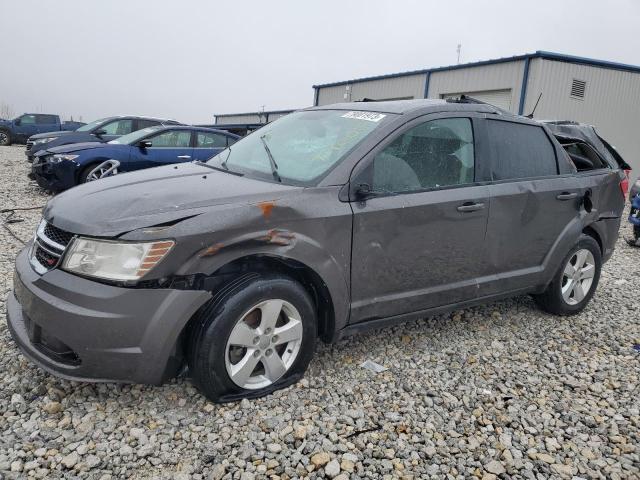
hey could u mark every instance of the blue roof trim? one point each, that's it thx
(538, 54)
(523, 87)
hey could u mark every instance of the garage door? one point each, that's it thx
(499, 98)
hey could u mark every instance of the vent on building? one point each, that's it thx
(577, 88)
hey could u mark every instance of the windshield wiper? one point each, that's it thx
(224, 163)
(213, 167)
(272, 162)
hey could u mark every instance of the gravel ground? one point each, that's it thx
(502, 390)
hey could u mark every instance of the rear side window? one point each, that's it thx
(46, 119)
(520, 151)
(210, 140)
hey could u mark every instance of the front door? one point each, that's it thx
(27, 127)
(419, 236)
(169, 146)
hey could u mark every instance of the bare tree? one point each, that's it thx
(6, 111)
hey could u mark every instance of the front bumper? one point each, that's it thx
(53, 176)
(84, 330)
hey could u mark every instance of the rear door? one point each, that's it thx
(168, 146)
(208, 144)
(419, 242)
(532, 204)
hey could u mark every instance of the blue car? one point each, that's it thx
(60, 168)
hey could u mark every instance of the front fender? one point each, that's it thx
(311, 228)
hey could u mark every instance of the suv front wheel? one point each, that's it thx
(256, 338)
(576, 281)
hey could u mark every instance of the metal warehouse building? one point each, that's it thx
(243, 123)
(600, 93)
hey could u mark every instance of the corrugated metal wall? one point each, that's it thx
(611, 102)
(501, 76)
(249, 117)
(410, 86)
(234, 119)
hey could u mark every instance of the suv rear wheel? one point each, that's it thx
(255, 339)
(575, 282)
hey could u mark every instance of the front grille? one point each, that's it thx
(57, 234)
(49, 245)
(29, 145)
(45, 258)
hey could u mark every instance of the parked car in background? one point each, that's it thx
(60, 168)
(102, 130)
(323, 223)
(21, 128)
(587, 149)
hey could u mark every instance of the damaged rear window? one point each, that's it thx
(304, 145)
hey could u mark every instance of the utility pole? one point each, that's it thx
(458, 49)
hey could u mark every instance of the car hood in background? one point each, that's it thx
(76, 147)
(54, 134)
(125, 202)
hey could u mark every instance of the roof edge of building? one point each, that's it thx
(561, 57)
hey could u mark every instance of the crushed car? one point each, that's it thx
(59, 168)
(327, 222)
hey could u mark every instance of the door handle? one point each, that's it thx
(470, 207)
(184, 157)
(567, 196)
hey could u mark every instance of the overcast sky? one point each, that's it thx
(190, 59)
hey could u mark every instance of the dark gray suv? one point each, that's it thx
(329, 221)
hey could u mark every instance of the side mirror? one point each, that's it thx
(145, 143)
(99, 133)
(364, 191)
(17, 122)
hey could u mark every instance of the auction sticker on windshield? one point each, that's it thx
(369, 116)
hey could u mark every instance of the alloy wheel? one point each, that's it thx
(577, 277)
(4, 138)
(264, 344)
(99, 173)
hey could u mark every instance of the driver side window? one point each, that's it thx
(172, 139)
(434, 154)
(119, 127)
(28, 120)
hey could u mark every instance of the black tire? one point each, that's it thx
(5, 138)
(551, 300)
(206, 347)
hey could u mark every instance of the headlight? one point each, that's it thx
(114, 260)
(60, 157)
(43, 140)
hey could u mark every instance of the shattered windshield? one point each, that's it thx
(302, 146)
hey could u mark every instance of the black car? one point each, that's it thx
(102, 130)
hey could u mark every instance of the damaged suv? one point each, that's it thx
(324, 223)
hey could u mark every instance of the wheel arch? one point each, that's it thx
(259, 263)
(593, 233)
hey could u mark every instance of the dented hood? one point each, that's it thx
(125, 202)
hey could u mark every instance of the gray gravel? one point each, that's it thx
(502, 390)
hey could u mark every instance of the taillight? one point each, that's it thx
(624, 183)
